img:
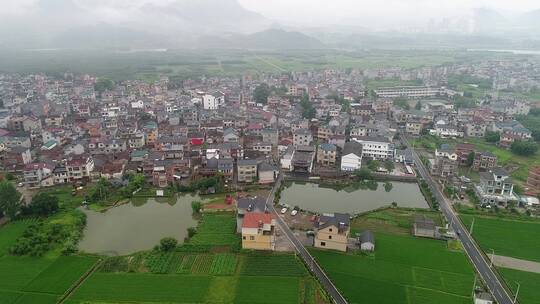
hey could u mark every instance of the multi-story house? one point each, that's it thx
(332, 231)
(376, 147)
(258, 231)
(302, 137)
(484, 161)
(106, 146)
(495, 187)
(263, 147)
(414, 127)
(326, 154)
(445, 163)
(80, 168)
(38, 175)
(247, 170)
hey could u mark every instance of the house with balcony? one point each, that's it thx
(247, 170)
(496, 187)
(326, 154)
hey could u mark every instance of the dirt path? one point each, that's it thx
(513, 263)
(79, 282)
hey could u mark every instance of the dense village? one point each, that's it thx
(245, 137)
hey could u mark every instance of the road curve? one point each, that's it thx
(471, 248)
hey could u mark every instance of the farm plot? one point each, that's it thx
(164, 262)
(202, 264)
(272, 265)
(422, 271)
(61, 274)
(508, 237)
(111, 287)
(216, 230)
(223, 264)
(17, 272)
(529, 291)
(274, 290)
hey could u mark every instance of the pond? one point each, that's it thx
(316, 198)
(137, 226)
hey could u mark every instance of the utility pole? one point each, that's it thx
(474, 286)
(472, 226)
(492, 256)
(517, 291)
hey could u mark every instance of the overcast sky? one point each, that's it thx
(309, 12)
(363, 12)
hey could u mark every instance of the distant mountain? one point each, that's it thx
(488, 20)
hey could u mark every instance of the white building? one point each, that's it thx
(210, 102)
(409, 92)
(351, 158)
(376, 147)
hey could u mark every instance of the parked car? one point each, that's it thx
(294, 212)
(283, 210)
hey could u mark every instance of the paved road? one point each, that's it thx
(471, 248)
(302, 252)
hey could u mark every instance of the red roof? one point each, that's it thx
(255, 219)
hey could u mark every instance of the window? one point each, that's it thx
(251, 238)
(329, 237)
(323, 243)
(243, 238)
(330, 229)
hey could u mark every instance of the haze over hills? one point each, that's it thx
(101, 24)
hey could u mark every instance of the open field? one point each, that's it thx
(205, 272)
(181, 64)
(420, 271)
(391, 220)
(508, 237)
(38, 280)
(529, 291)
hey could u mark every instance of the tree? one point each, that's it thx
(103, 84)
(402, 103)
(492, 137)
(470, 158)
(9, 199)
(363, 174)
(308, 111)
(418, 105)
(374, 165)
(167, 244)
(524, 148)
(261, 93)
(43, 204)
(389, 165)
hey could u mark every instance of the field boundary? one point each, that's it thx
(80, 281)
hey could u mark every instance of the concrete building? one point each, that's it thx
(326, 154)
(332, 231)
(367, 241)
(376, 147)
(484, 161)
(302, 137)
(495, 187)
(409, 92)
(423, 226)
(247, 170)
(258, 231)
(351, 158)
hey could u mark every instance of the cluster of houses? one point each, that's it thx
(257, 225)
(61, 130)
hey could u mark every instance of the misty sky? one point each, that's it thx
(367, 13)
